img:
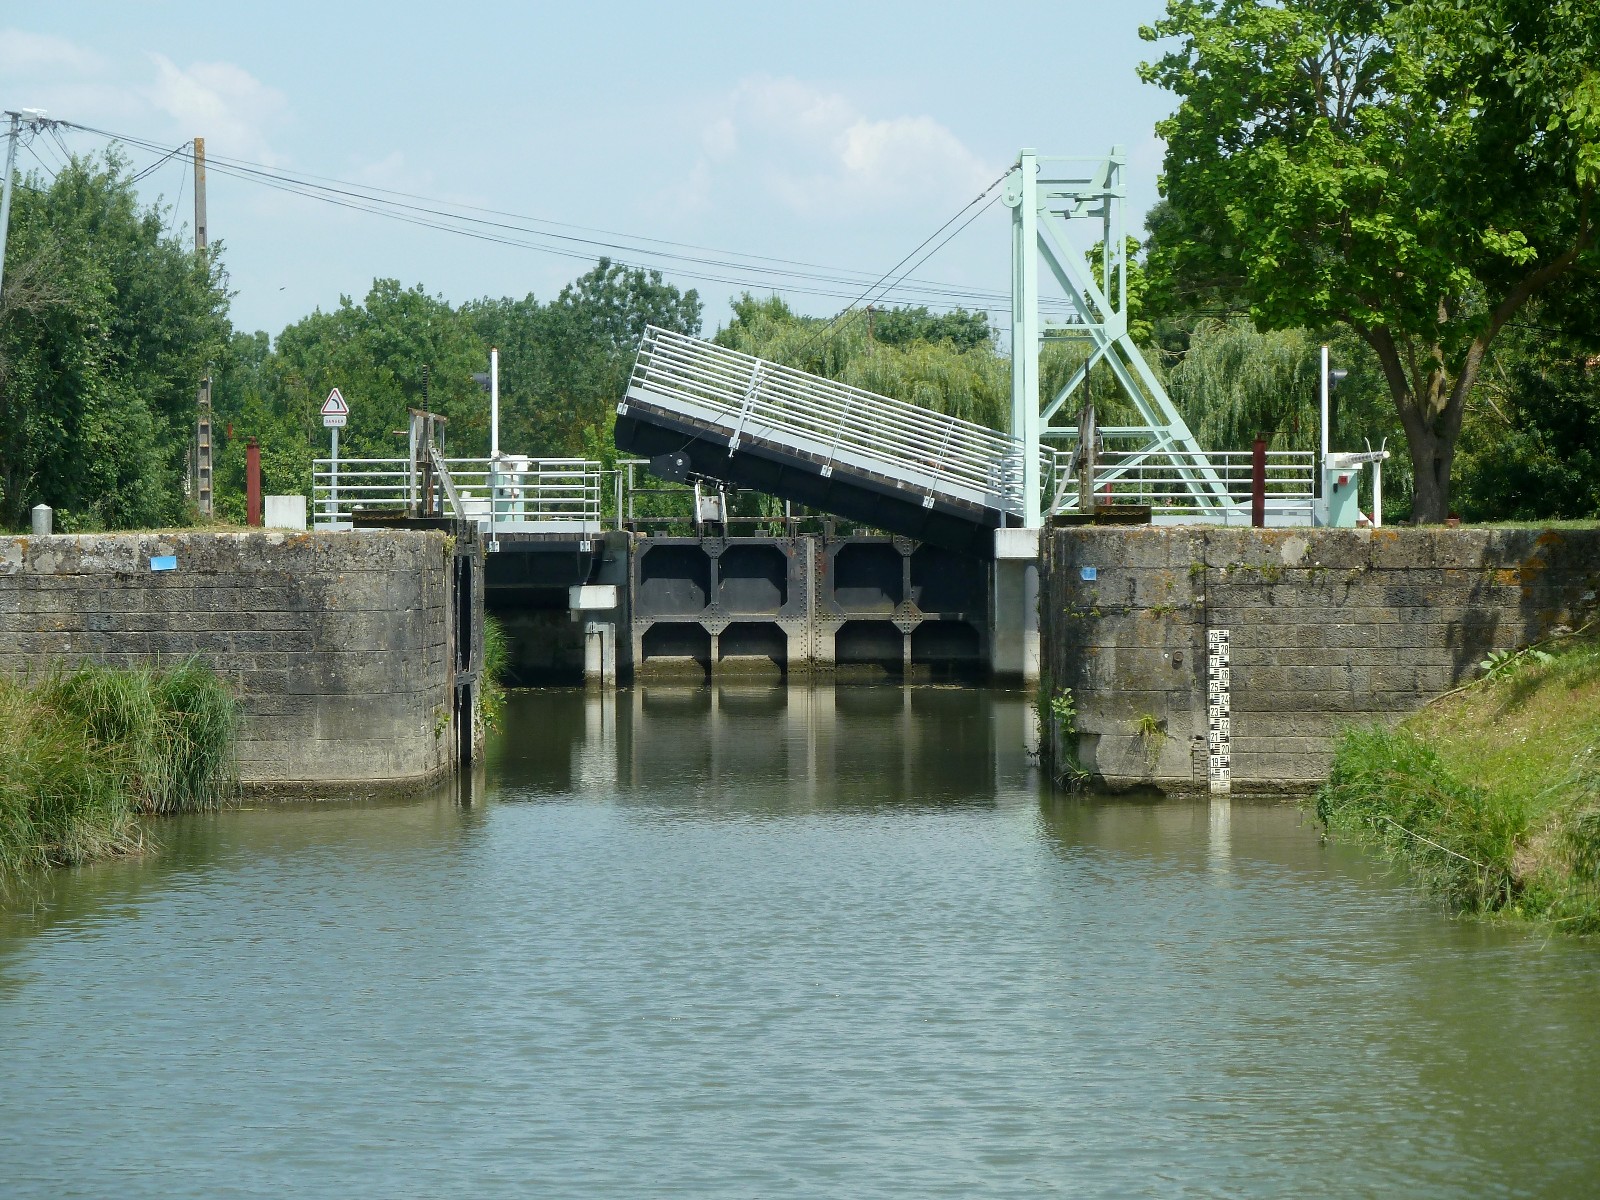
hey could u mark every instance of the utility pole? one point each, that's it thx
(5, 196)
(202, 457)
(34, 119)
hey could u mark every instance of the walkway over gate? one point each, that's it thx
(508, 495)
(701, 411)
(741, 420)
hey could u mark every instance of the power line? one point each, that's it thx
(854, 313)
(167, 157)
(48, 170)
(725, 269)
(362, 190)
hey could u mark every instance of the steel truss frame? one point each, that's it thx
(1045, 194)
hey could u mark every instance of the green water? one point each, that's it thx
(763, 943)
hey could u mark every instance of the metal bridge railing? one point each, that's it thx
(513, 495)
(1159, 479)
(832, 422)
(530, 494)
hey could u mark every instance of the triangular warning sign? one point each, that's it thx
(334, 405)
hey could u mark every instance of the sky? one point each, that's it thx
(834, 134)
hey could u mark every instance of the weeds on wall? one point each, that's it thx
(1057, 713)
(491, 684)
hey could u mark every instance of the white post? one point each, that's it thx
(1377, 494)
(1023, 196)
(333, 491)
(1324, 461)
(494, 403)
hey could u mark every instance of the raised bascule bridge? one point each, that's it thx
(947, 579)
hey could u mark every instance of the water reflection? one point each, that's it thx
(803, 748)
(747, 941)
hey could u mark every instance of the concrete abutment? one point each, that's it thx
(1326, 628)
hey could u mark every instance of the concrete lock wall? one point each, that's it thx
(1326, 628)
(342, 647)
(858, 605)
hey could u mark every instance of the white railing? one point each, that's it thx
(529, 494)
(747, 397)
(510, 495)
(1161, 480)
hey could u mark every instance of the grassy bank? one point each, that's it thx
(1492, 794)
(88, 751)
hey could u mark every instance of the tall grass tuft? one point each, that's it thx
(1391, 787)
(491, 684)
(92, 748)
(1492, 794)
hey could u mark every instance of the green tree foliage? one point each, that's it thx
(1234, 381)
(1532, 450)
(941, 364)
(107, 324)
(902, 326)
(1418, 171)
(243, 406)
(564, 365)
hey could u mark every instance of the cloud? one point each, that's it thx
(147, 96)
(720, 139)
(817, 154)
(232, 109)
(23, 53)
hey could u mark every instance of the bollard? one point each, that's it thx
(43, 520)
(252, 483)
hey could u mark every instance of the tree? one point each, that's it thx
(1418, 171)
(375, 353)
(901, 326)
(959, 373)
(1533, 450)
(564, 365)
(106, 326)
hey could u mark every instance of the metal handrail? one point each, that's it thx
(509, 494)
(1157, 478)
(834, 422)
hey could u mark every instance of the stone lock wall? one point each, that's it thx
(341, 646)
(1328, 628)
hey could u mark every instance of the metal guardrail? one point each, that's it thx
(748, 397)
(1159, 479)
(510, 495)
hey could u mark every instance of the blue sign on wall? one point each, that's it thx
(164, 562)
(1089, 574)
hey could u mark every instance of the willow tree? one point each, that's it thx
(944, 362)
(1418, 170)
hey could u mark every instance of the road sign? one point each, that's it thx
(334, 410)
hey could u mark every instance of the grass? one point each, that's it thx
(1560, 523)
(91, 749)
(1492, 794)
(491, 688)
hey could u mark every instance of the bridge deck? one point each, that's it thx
(840, 449)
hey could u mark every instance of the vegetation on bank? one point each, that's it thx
(92, 749)
(1491, 794)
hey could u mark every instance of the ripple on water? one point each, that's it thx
(818, 947)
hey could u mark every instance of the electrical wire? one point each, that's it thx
(48, 169)
(55, 136)
(852, 313)
(167, 157)
(726, 268)
(347, 188)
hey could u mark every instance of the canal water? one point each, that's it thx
(754, 942)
